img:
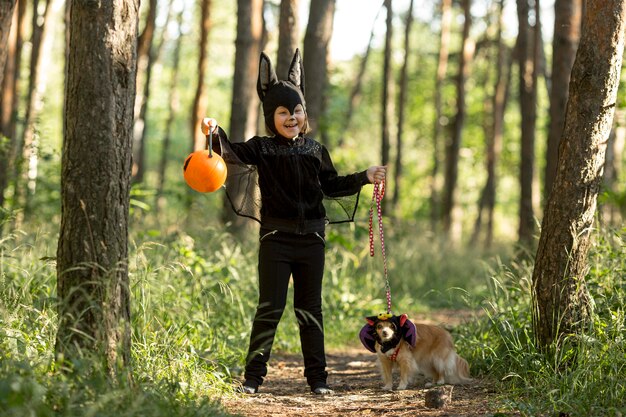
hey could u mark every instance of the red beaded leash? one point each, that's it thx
(377, 198)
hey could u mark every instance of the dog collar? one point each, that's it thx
(394, 355)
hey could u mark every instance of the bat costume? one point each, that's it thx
(289, 186)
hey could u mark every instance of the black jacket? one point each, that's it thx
(294, 177)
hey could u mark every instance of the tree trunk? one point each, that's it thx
(288, 36)
(442, 65)
(145, 59)
(494, 134)
(24, 145)
(610, 212)
(92, 254)
(245, 104)
(356, 89)
(538, 69)
(567, 18)
(528, 101)
(561, 301)
(451, 209)
(10, 96)
(200, 100)
(173, 104)
(8, 40)
(401, 105)
(27, 162)
(387, 82)
(500, 110)
(319, 30)
(243, 124)
(6, 18)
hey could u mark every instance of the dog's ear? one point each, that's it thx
(267, 76)
(403, 318)
(296, 71)
(371, 320)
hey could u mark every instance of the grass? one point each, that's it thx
(179, 367)
(194, 295)
(585, 376)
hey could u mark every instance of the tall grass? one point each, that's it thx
(194, 292)
(585, 376)
(180, 368)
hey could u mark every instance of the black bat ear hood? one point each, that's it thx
(274, 93)
(242, 187)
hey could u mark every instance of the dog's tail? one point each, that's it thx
(462, 374)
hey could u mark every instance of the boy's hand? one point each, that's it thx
(208, 124)
(377, 174)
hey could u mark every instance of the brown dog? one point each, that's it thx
(414, 348)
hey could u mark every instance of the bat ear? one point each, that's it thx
(296, 71)
(267, 76)
(410, 332)
(370, 320)
(367, 339)
(403, 319)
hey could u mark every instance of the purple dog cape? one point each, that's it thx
(405, 326)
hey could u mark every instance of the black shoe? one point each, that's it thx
(320, 388)
(249, 387)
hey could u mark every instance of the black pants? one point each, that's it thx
(282, 255)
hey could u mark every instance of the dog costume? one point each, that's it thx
(406, 331)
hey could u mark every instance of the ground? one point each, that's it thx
(355, 379)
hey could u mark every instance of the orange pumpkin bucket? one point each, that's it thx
(205, 171)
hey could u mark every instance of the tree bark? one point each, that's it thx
(387, 82)
(245, 104)
(442, 66)
(288, 36)
(200, 99)
(451, 209)
(9, 30)
(173, 104)
(567, 19)
(319, 30)
(528, 102)
(494, 134)
(92, 254)
(10, 90)
(6, 18)
(610, 212)
(561, 300)
(145, 59)
(27, 161)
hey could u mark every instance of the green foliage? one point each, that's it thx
(34, 390)
(194, 286)
(193, 298)
(194, 295)
(585, 376)
(179, 363)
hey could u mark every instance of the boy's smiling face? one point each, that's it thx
(289, 125)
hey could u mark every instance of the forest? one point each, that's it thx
(502, 125)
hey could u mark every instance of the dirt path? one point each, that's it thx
(356, 382)
(355, 379)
